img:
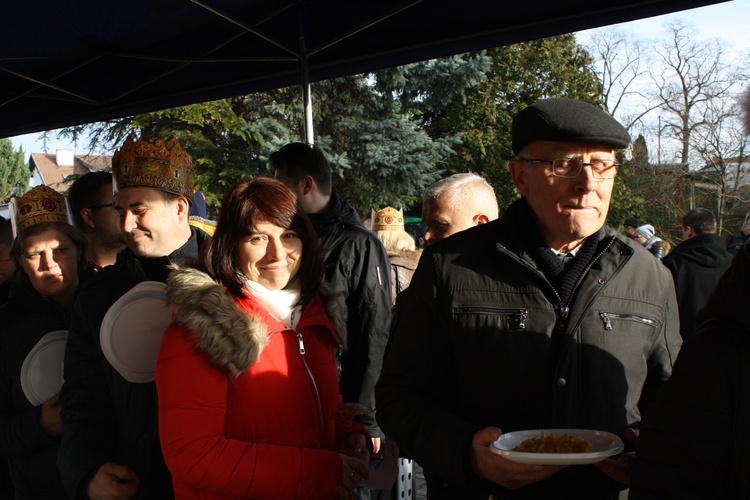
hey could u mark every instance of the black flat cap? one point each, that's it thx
(567, 120)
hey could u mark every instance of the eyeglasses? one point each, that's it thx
(105, 205)
(570, 168)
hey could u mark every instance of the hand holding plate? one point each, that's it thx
(497, 469)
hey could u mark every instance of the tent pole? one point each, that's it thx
(307, 102)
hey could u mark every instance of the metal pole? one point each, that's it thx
(305, 68)
(307, 103)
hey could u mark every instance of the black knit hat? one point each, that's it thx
(567, 120)
(632, 222)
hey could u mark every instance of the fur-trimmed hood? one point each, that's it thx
(230, 337)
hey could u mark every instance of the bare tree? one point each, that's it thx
(622, 67)
(724, 149)
(688, 76)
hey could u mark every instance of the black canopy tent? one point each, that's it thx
(64, 63)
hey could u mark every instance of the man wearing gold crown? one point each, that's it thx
(356, 267)
(110, 447)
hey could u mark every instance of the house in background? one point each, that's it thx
(59, 170)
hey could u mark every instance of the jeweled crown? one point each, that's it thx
(38, 205)
(388, 219)
(166, 167)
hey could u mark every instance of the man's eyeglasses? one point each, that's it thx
(105, 205)
(570, 168)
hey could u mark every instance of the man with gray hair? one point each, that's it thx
(456, 203)
(696, 265)
(543, 319)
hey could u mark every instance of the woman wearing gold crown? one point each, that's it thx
(388, 225)
(48, 253)
(249, 404)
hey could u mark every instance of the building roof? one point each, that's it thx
(60, 177)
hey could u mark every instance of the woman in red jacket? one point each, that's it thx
(249, 405)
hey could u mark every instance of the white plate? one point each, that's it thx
(132, 329)
(42, 370)
(605, 445)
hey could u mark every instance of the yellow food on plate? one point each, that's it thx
(567, 443)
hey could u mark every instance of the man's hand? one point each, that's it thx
(500, 470)
(352, 473)
(354, 445)
(621, 468)
(376, 445)
(49, 417)
(112, 482)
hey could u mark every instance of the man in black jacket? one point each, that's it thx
(110, 444)
(356, 268)
(696, 265)
(543, 319)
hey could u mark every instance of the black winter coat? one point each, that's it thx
(31, 452)
(358, 273)
(483, 338)
(105, 417)
(690, 433)
(696, 265)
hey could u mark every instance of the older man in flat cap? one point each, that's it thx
(543, 319)
(110, 445)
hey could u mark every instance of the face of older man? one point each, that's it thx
(567, 210)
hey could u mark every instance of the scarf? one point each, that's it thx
(284, 305)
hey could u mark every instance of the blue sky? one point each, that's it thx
(729, 21)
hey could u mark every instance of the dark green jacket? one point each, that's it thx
(481, 339)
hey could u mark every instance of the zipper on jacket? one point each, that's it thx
(518, 317)
(608, 317)
(314, 385)
(566, 308)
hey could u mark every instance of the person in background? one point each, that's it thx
(629, 227)
(646, 236)
(539, 320)
(356, 268)
(48, 253)
(110, 447)
(736, 243)
(388, 225)
(249, 405)
(198, 208)
(695, 439)
(92, 206)
(696, 265)
(456, 203)
(7, 266)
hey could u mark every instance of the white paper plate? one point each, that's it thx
(132, 329)
(605, 445)
(42, 370)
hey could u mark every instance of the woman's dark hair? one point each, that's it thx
(77, 237)
(248, 203)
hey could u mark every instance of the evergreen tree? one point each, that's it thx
(518, 76)
(14, 172)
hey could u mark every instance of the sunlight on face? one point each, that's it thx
(270, 255)
(442, 221)
(151, 225)
(50, 260)
(566, 210)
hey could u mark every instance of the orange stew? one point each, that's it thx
(567, 443)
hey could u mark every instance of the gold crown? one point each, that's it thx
(167, 167)
(38, 205)
(388, 219)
